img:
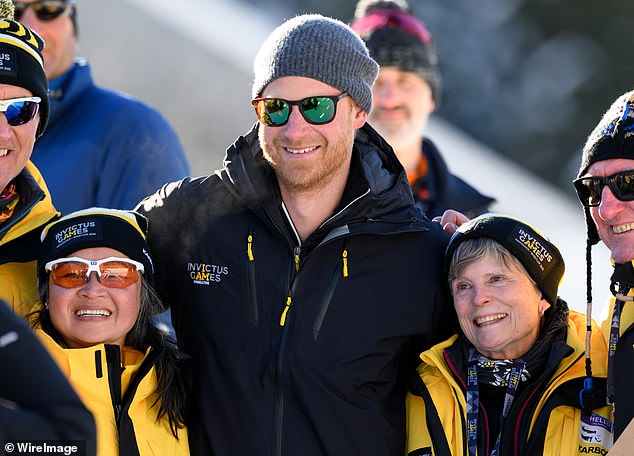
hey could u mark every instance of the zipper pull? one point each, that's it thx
(296, 251)
(286, 309)
(249, 247)
(345, 262)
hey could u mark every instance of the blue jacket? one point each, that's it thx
(103, 148)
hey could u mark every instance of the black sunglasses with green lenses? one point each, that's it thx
(589, 188)
(45, 10)
(274, 112)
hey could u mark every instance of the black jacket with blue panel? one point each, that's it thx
(297, 347)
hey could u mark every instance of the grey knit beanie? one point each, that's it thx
(320, 48)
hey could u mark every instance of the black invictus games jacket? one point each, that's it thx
(36, 401)
(297, 346)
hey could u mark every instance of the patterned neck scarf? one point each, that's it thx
(507, 374)
(9, 199)
(497, 372)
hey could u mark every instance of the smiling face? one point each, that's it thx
(309, 157)
(402, 103)
(613, 218)
(498, 306)
(16, 143)
(92, 314)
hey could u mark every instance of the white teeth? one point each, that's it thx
(622, 228)
(489, 318)
(3, 152)
(96, 313)
(300, 151)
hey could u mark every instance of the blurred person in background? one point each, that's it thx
(36, 400)
(605, 187)
(96, 278)
(25, 205)
(406, 92)
(289, 271)
(101, 148)
(513, 380)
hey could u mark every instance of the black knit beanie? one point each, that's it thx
(540, 257)
(397, 38)
(612, 138)
(21, 62)
(124, 231)
(320, 48)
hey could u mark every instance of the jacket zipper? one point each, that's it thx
(363, 195)
(113, 362)
(334, 281)
(253, 297)
(279, 390)
(518, 421)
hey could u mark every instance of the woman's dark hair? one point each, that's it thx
(173, 380)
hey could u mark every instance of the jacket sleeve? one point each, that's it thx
(36, 400)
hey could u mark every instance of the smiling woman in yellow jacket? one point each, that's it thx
(95, 276)
(514, 380)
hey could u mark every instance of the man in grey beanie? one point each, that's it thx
(289, 271)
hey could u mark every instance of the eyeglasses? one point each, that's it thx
(19, 111)
(45, 10)
(112, 272)
(589, 188)
(274, 112)
(387, 17)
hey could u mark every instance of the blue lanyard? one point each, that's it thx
(473, 400)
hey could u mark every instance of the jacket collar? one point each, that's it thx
(34, 208)
(377, 174)
(73, 83)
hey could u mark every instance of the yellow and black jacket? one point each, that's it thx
(20, 240)
(118, 387)
(545, 417)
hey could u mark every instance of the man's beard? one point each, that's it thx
(314, 174)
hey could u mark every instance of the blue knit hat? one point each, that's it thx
(320, 48)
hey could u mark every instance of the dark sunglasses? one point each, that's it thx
(19, 111)
(274, 112)
(589, 188)
(45, 10)
(388, 17)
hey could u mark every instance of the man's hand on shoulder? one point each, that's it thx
(450, 220)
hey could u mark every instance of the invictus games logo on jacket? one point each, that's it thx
(542, 257)
(82, 230)
(205, 273)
